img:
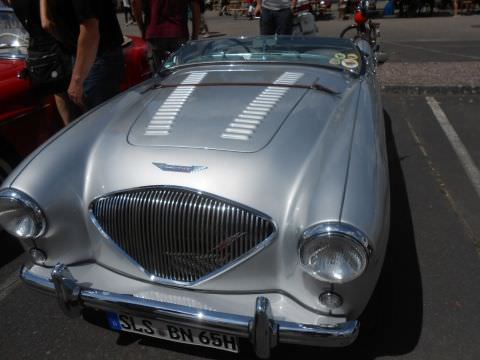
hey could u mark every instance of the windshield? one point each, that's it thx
(13, 37)
(335, 53)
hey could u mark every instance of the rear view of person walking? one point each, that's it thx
(127, 11)
(203, 23)
(276, 16)
(167, 27)
(90, 31)
(47, 66)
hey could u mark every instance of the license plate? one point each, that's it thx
(170, 332)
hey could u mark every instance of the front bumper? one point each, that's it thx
(261, 329)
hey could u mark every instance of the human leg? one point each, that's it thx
(103, 81)
(283, 22)
(67, 110)
(132, 17)
(455, 7)
(267, 22)
(125, 13)
(203, 25)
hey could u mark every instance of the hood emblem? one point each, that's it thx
(179, 168)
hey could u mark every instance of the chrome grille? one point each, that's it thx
(180, 235)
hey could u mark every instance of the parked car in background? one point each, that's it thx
(243, 192)
(28, 118)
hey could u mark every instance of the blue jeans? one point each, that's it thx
(276, 22)
(103, 81)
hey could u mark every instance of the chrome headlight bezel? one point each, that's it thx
(342, 235)
(16, 200)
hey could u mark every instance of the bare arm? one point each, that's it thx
(195, 19)
(87, 47)
(293, 6)
(47, 24)
(258, 9)
(137, 6)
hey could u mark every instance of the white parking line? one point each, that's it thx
(465, 159)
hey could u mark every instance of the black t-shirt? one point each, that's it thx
(69, 14)
(28, 12)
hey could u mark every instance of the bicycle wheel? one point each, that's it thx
(350, 32)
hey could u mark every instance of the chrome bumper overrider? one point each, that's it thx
(263, 331)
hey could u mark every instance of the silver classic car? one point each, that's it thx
(241, 193)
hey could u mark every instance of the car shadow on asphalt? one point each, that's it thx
(11, 248)
(392, 322)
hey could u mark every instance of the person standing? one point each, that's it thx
(127, 11)
(250, 9)
(455, 7)
(203, 23)
(224, 8)
(276, 16)
(90, 31)
(167, 27)
(40, 44)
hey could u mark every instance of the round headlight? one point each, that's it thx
(333, 252)
(20, 215)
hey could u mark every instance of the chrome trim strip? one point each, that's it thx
(263, 329)
(342, 334)
(179, 168)
(217, 223)
(37, 282)
(13, 57)
(339, 229)
(213, 292)
(14, 195)
(342, 229)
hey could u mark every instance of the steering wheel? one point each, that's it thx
(235, 41)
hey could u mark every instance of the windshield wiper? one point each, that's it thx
(319, 87)
(315, 86)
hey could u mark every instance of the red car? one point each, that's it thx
(27, 119)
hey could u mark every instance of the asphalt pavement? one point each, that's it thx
(428, 295)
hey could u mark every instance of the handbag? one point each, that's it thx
(49, 70)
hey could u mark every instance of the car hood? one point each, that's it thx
(201, 109)
(299, 147)
(293, 168)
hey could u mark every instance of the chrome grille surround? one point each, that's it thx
(180, 236)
